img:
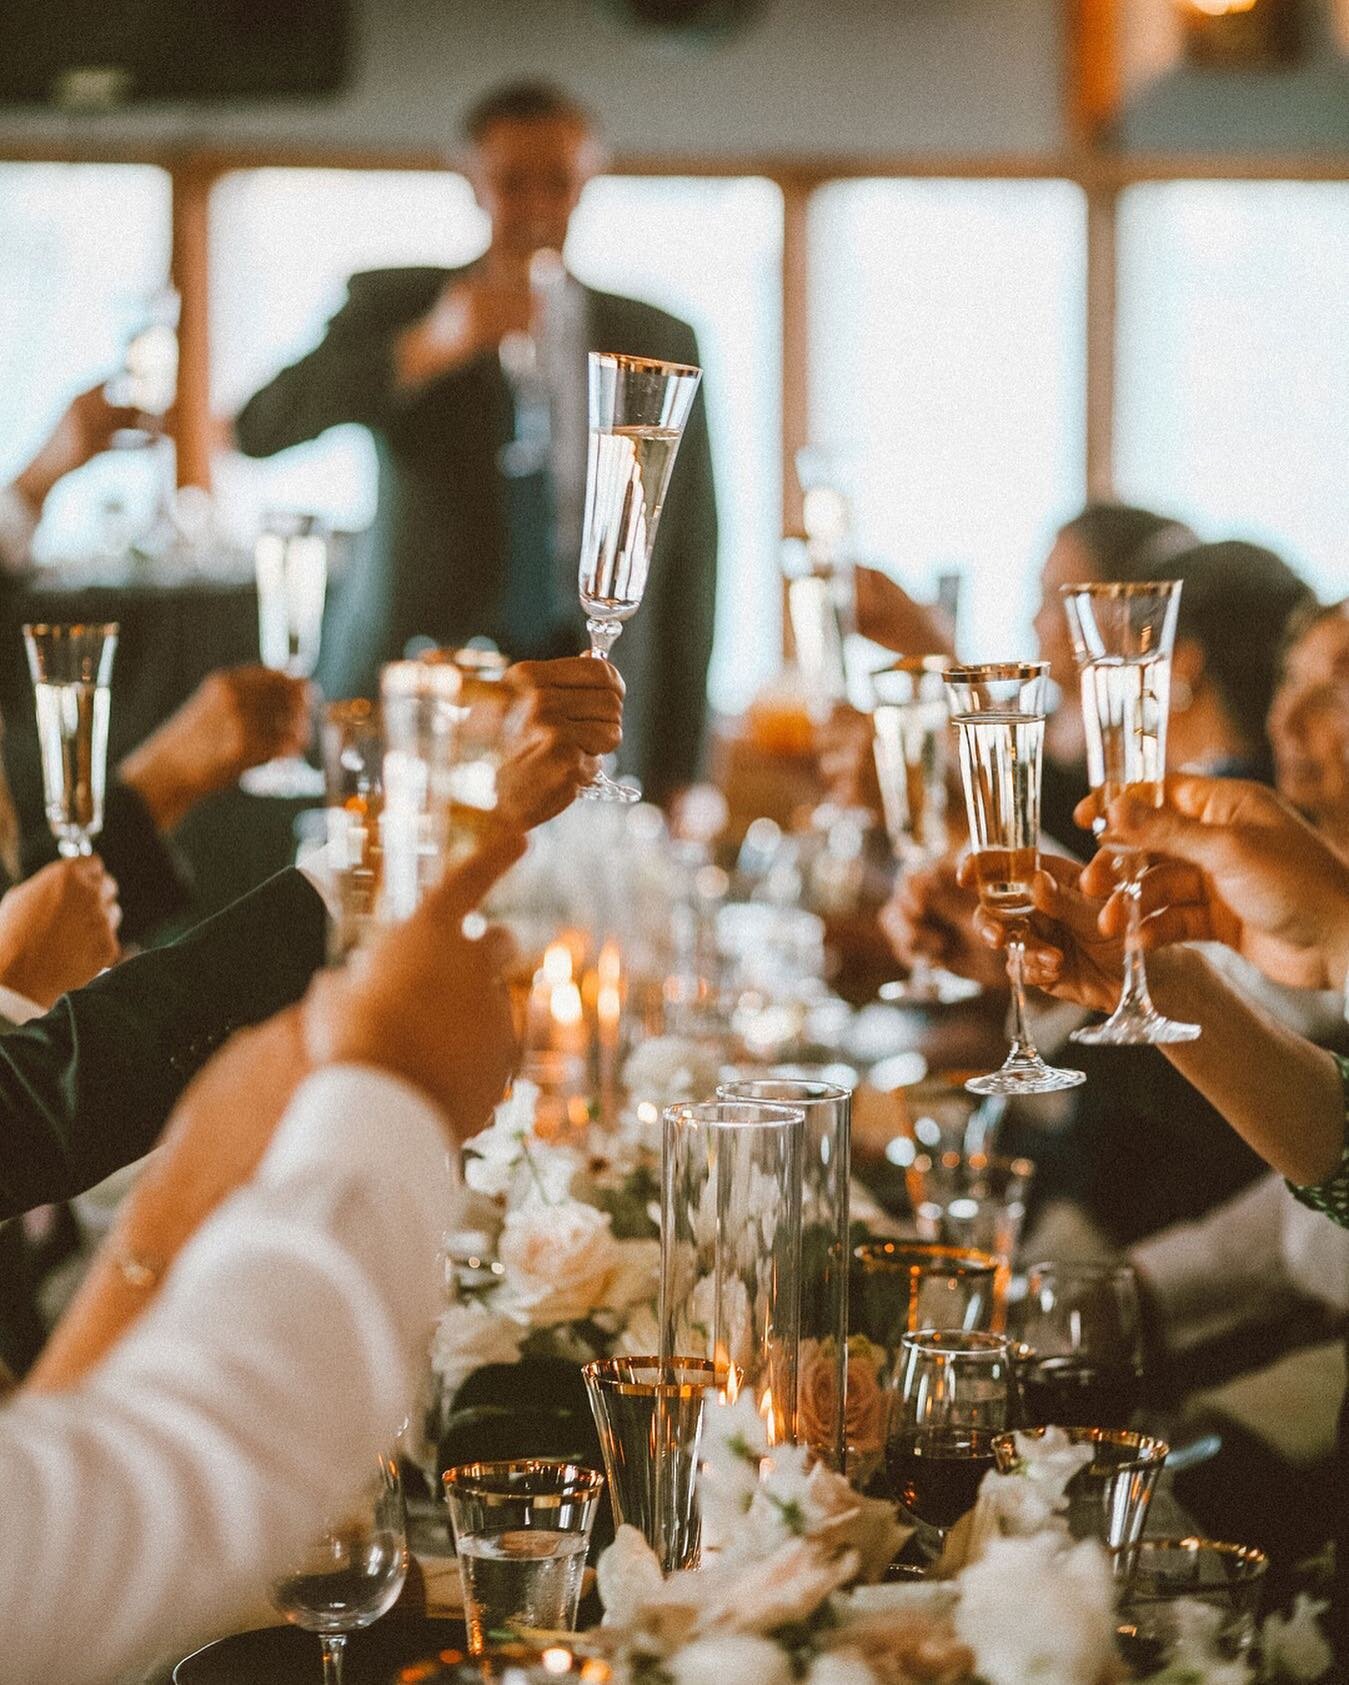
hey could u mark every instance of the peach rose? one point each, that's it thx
(867, 1410)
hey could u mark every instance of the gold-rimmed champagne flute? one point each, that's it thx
(71, 667)
(638, 411)
(910, 723)
(999, 713)
(1123, 636)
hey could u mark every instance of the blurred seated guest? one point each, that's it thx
(478, 524)
(85, 429)
(255, 1334)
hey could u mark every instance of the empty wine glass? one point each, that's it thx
(910, 721)
(291, 561)
(1080, 1363)
(71, 667)
(1122, 639)
(955, 1397)
(638, 411)
(999, 712)
(353, 1571)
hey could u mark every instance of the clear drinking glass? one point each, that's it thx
(420, 705)
(71, 667)
(486, 705)
(353, 1571)
(822, 1378)
(521, 1532)
(291, 566)
(911, 723)
(821, 611)
(1080, 1363)
(649, 1415)
(1161, 1580)
(730, 1247)
(1122, 638)
(955, 1396)
(638, 411)
(353, 768)
(999, 713)
(1108, 1500)
(971, 1199)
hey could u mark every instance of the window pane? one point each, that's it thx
(283, 243)
(81, 245)
(947, 372)
(1233, 363)
(711, 251)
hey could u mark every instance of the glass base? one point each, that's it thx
(1026, 1076)
(602, 788)
(1132, 1026)
(930, 988)
(290, 778)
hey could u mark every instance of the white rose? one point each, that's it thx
(1295, 1645)
(562, 1262)
(667, 1069)
(1029, 1610)
(640, 1335)
(746, 1660)
(469, 1337)
(839, 1668)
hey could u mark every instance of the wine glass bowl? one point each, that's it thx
(353, 1571)
(999, 713)
(1081, 1345)
(639, 408)
(1123, 636)
(71, 668)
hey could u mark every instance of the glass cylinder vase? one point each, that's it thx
(822, 1379)
(730, 1244)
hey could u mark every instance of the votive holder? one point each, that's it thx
(822, 1377)
(731, 1248)
(1108, 1499)
(521, 1532)
(649, 1416)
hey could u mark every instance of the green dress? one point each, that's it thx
(1332, 1195)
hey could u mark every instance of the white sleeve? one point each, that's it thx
(147, 1509)
(1211, 1276)
(17, 526)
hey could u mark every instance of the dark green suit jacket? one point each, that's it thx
(433, 563)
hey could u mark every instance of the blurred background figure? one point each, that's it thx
(473, 383)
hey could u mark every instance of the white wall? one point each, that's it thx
(807, 76)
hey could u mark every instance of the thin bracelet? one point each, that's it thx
(139, 1270)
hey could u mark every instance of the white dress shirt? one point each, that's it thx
(146, 1510)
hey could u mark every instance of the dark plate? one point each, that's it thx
(287, 1656)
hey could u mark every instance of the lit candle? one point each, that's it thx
(608, 1020)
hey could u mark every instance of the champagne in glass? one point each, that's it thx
(71, 667)
(352, 1572)
(1122, 638)
(910, 722)
(291, 560)
(999, 714)
(638, 411)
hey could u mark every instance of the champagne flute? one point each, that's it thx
(909, 722)
(999, 713)
(71, 668)
(955, 1397)
(638, 411)
(353, 1571)
(1122, 638)
(291, 560)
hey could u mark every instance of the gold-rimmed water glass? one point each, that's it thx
(1161, 1580)
(1108, 1498)
(71, 669)
(1123, 635)
(999, 713)
(521, 1532)
(910, 730)
(639, 408)
(353, 1570)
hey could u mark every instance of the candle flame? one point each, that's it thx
(769, 1416)
(557, 966)
(566, 1003)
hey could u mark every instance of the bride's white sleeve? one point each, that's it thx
(147, 1508)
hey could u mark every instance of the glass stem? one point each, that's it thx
(1134, 996)
(603, 637)
(1023, 1043)
(334, 1651)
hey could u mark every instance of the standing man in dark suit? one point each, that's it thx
(473, 385)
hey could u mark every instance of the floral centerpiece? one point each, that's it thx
(557, 1261)
(788, 1591)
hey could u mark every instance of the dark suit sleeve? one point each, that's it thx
(686, 586)
(347, 377)
(153, 885)
(87, 1088)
